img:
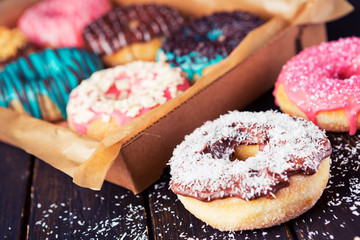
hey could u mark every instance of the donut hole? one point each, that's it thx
(244, 151)
(346, 73)
(343, 75)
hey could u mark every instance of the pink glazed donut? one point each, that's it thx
(59, 23)
(322, 84)
(113, 97)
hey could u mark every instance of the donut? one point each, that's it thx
(131, 33)
(321, 84)
(206, 41)
(59, 23)
(112, 97)
(40, 84)
(13, 44)
(250, 170)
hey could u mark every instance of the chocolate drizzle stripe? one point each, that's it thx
(118, 39)
(86, 65)
(121, 35)
(56, 81)
(160, 20)
(21, 92)
(92, 62)
(123, 26)
(32, 87)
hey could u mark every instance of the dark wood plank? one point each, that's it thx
(62, 210)
(14, 188)
(170, 220)
(337, 213)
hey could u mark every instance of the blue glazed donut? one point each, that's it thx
(40, 84)
(207, 40)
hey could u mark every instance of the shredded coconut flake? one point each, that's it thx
(200, 172)
(128, 89)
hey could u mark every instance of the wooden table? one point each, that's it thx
(40, 202)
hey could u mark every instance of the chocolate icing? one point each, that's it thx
(207, 40)
(194, 35)
(224, 150)
(123, 26)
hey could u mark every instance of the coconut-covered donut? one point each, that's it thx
(59, 23)
(220, 178)
(131, 33)
(40, 84)
(110, 98)
(322, 84)
(207, 40)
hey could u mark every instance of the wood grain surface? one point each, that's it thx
(337, 213)
(62, 210)
(40, 202)
(170, 220)
(15, 172)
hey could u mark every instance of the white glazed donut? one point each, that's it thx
(112, 97)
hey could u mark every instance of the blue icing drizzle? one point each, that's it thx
(51, 73)
(192, 63)
(214, 34)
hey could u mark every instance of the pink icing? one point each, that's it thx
(121, 116)
(60, 23)
(325, 78)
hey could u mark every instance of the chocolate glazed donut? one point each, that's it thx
(207, 40)
(226, 147)
(278, 182)
(124, 26)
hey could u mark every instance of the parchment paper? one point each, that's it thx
(88, 160)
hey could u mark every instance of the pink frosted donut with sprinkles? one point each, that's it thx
(249, 170)
(60, 23)
(113, 97)
(322, 84)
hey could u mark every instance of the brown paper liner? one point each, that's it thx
(10, 11)
(88, 160)
(293, 11)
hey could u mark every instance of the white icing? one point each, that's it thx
(141, 85)
(192, 169)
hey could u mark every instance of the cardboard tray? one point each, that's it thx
(233, 90)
